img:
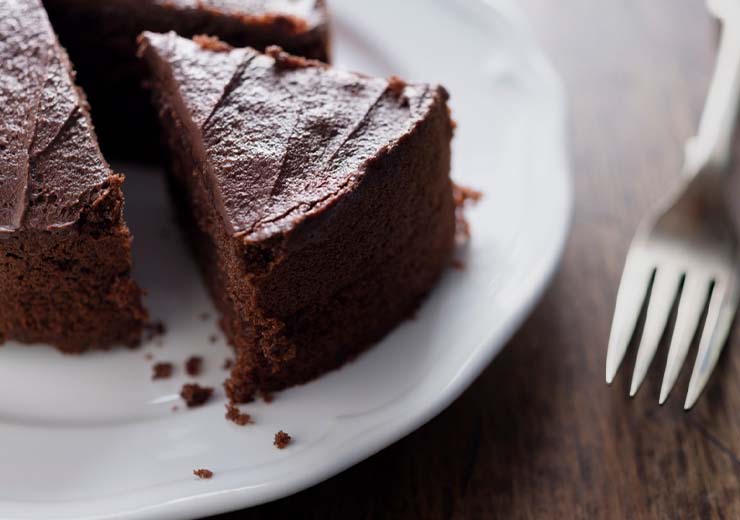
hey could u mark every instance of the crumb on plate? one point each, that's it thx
(234, 415)
(195, 395)
(162, 370)
(194, 365)
(203, 473)
(282, 440)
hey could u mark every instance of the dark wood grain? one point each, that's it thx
(540, 435)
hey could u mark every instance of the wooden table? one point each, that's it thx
(540, 435)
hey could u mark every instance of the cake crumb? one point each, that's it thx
(463, 196)
(453, 123)
(194, 365)
(234, 415)
(284, 60)
(195, 395)
(213, 338)
(211, 43)
(175, 408)
(205, 316)
(282, 440)
(267, 397)
(396, 85)
(162, 370)
(148, 356)
(458, 264)
(203, 473)
(154, 330)
(228, 363)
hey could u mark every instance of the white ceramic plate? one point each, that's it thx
(93, 436)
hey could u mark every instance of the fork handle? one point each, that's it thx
(712, 147)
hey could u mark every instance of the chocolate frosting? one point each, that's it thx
(50, 164)
(283, 137)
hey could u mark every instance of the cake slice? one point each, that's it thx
(319, 201)
(65, 257)
(100, 36)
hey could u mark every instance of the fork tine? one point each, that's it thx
(690, 308)
(662, 296)
(630, 298)
(722, 307)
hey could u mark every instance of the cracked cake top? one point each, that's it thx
(283, 137)
(51, 168)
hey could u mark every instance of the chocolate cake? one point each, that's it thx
(318, 201)
(100, 36)
(65, 257)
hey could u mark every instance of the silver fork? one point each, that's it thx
(686, 249)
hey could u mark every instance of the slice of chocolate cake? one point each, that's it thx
(319, 201)
(64, 248)
(100, 36)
